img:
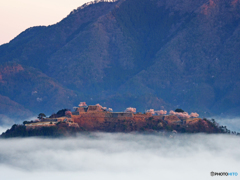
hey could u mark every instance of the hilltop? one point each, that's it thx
(95, 118)
(159, 53)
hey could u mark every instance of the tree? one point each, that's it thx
(41, 116)
(27, 122)
(179, 110)
(53, 116)
(61, 113)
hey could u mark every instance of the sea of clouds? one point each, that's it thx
(232, 124)
(120, 156)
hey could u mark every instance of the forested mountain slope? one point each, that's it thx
(142, 53)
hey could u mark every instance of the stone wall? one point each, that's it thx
(119, 115)
(94, 109)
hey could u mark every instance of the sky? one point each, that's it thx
(120, 156)
(18, 15)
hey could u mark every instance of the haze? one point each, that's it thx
(16, 16)
(119, 156)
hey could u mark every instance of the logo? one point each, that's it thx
(223, 173)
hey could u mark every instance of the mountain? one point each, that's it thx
(159, 54)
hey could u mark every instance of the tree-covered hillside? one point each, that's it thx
(160, 53)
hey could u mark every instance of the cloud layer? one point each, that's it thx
(119, 156)
(232, 124)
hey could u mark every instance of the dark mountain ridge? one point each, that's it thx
(160, 53)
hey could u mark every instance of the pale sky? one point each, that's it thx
(18, 15)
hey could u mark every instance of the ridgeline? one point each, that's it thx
(140, 53)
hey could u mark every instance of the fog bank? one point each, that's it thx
(119, 156)
(4, 128)
(232, 124)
